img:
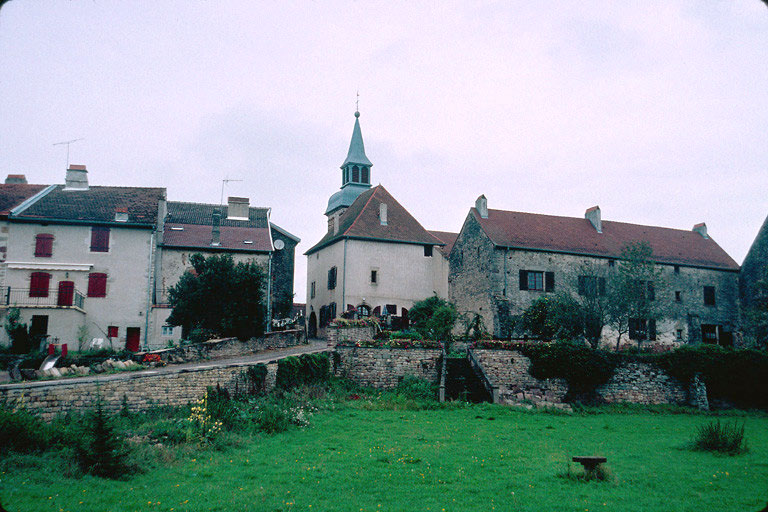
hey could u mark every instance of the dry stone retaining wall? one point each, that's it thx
(137, 391)
(337, 334)
(383, 368)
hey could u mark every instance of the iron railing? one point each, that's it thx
(20, 297)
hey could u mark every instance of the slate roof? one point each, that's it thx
(447, 238)
(361, 221)
(12, 195)
(577, 236)
(190, 225)
(97, 204)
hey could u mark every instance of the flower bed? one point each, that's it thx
(363, 322)
(396, 343)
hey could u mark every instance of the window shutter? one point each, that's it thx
(601, 285)
(99, 239)
(39, 284)
(97, 284)
(652, 329)
(549, 281)
(43, 246)
(523, 279)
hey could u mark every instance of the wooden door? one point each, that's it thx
(132, 339)
(66, 293)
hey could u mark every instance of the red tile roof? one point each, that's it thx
(447, 238)
(12, 195)
(361, 221)
(231, 238)
(578, 236)
(97, 204)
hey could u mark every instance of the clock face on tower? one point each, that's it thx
(279, 244)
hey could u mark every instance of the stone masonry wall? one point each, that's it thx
(383, 368)
(137, 390)
(231, 347)
(633, 383)
(339, 334)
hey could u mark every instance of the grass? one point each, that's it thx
(372, 455)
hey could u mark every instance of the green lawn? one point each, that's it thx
(472, 458)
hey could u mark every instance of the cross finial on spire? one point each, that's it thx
(357, 103)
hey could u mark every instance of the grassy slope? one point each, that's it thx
(476, 458)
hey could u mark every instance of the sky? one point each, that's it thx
(657, 111)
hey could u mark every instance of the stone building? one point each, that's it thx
(375, 258)
(237, 229)
(753, 282)
(502, 261)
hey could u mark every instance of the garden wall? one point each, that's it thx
(384, 367)
(337, 334)
(230, 347)
(136, 390)
(633, 383)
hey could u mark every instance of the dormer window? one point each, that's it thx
(177, 228)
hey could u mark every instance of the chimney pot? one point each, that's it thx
(77, 178)
(594, 217)
(701, 228)
(481, 204)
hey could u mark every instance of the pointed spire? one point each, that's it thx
(356, 153)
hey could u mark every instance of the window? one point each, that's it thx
(97, 284)
(167, 330)
(677, 269)
(678, 296)
(39, 283)
(112, 331)
(641, 329)
(644, 289)
(374, 276)
(43, 245)
(355, 174)
(709, 295)
(312, 290)
(391, 309)
(679, 335)
(591, 286)
(364, 171)
(332, 278)
(331, 311)
(537, 281)
(428, 251)
(364, 310)
(611, 263)
(99, 239)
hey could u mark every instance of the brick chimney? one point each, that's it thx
(701, 228)
(216, 229)
(237, 208)
(16, 179)
(482, 206)
(593, 216)
(77, 178)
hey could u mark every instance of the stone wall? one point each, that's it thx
(230, 347)
(383, 368)
(136, 390)
(336, 334)
(633, 383)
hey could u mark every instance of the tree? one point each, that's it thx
(220, 296)
(21, 341)
(433, 318)
(593, 301)
(632, 289)
(554, 317)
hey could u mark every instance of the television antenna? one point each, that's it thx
(67, 143)
(224, 182)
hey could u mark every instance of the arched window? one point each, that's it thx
(364, 310)
(365, 177)
(355, 174)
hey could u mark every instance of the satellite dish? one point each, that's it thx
(279, 244)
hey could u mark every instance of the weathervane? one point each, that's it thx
(357, 102)
(67, 142)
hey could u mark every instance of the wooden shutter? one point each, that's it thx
(549, 281)
(43, 245)
(523, 279)
(39, 284)
(99, 239)
(97, 284)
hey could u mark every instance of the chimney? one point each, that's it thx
(482, 206)
(238, 208)
(216, 229)
(701, 228)
(593, 216)
(77, 178)
(383, 214)
(121, 214)
(16, 179)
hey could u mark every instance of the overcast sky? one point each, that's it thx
(656, 111)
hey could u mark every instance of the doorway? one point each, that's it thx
(132, 339)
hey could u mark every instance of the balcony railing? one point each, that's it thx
(20, 297)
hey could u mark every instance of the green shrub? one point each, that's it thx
(304, 369)
(23, 431)
(100, 450)
(721, 437)
(416, 388)
(272, 417)
(601, 473)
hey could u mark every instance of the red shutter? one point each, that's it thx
(43, 246)
(112, 331)
(97, 284)
(66, 293)
(99, 239)
(39, 284)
